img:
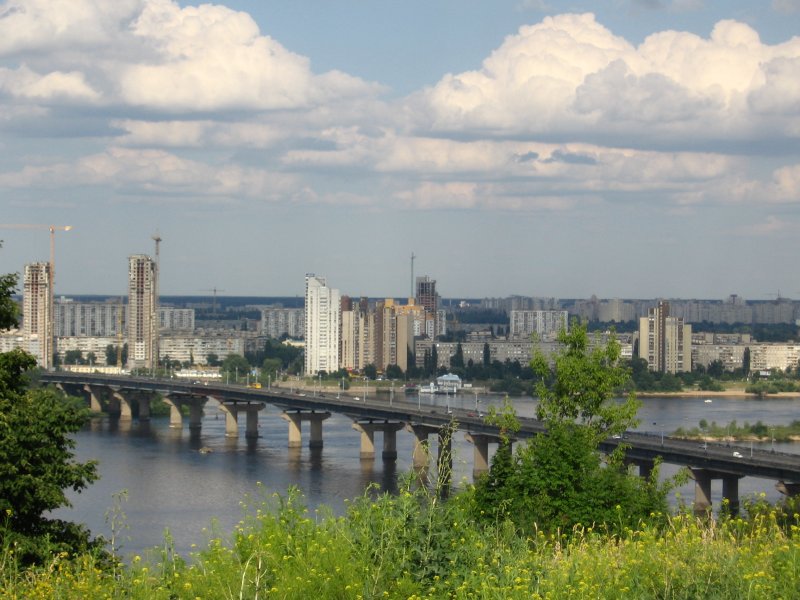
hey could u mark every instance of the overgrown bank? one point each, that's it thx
(414, 546)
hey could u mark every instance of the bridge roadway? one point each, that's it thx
(707, 461)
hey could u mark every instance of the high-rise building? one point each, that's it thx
(142, 316)
(426, 294)
(322, 306)
(665, 342)
(37, 313)
(429, 300)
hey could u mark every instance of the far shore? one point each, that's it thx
(722, 394)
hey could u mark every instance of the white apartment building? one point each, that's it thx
(616, 311)
(86, 345)
(277, 321)
(765, 357)
(92, 319)
(544, 323)
(37, 313)
(142, 304)
(322, 309)
(195, 348)
(730, 355)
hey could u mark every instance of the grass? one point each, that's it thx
(414, 545)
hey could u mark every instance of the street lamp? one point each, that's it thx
(365, 390)
(391, 395)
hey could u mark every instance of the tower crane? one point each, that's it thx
(50, 321)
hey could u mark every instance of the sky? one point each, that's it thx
(617, 148)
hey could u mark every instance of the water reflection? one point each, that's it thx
(180, 478)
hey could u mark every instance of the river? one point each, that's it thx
(170, 484)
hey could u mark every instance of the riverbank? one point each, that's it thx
(722, 394)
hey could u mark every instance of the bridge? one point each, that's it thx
(706, 461)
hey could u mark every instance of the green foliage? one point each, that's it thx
(36, 460)
(394, 372)
(746, 431)
(559, 480)
(234, 367)
(771, 386)
(8, 308)
(582, 384)
(413, 545)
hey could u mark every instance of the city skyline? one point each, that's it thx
(646, 149)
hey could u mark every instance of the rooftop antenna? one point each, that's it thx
(155, 321)
(413, 256)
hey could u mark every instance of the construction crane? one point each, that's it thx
(47, 357)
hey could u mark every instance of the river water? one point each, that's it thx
(170, 484)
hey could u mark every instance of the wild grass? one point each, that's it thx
(416, 545)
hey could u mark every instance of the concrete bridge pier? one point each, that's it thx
(144, 407)
(295, 420)
(175, 414)
(196, 413)
(420, 455)
(368, 430)
(480, 453)
(315, 422)
(251, 430)
(702, 490)
(788, 489)
(644, 466)
(232, 419)
(125, 412)
(730, 492)
(94, 402)
(295, 429)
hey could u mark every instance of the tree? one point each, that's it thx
(269, 370)
(370, 371)
(212, 360)
(558, 479)
(234, 366)
(36, 460)
(457, 360)
(746, 362)
(394, 372)
(73, 357)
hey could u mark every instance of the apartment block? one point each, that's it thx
(142, 306)
(544, 323)
(37, 313)
(665, 342)
(322, 312)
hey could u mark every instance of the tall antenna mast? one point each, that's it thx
(413, 256)
(155, 324)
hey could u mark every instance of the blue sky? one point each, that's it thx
(620, 148)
